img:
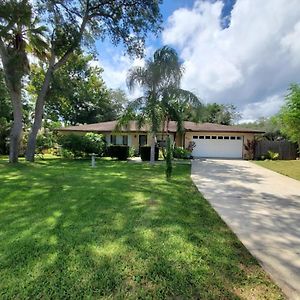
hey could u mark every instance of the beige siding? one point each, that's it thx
(180, 140)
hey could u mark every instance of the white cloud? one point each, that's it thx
(117, 66)
(267, 107)
(249, 64)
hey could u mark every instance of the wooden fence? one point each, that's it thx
(286, 149)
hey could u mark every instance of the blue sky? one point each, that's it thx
(244, 52)
(105, 49)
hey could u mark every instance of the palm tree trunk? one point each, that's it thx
(38, 116)
(16, 129)
(152, 150)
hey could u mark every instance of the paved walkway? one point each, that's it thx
(263, 209)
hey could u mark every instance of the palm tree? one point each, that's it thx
(163, 99)
(19, 35)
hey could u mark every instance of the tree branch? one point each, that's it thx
(3, 51)
(66, 55)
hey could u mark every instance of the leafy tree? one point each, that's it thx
(5, 107)
(163, 99)
(118, 101)
(19, 34)
(77, 93)
(270, 125)
(72, 24)
(5, 114)
(219, 113)
(290, 114)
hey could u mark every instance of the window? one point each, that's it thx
(238, 137)
(232, 137)
(207, 137)
(113, 139)
(195, 137)
(201, 137)
(220, 137)
(214, 137)
(226, 137)
(125, 140)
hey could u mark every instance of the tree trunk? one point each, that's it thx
(40, 102)
(13, 82)
(16, 129)
(38, 115)
(152, 150)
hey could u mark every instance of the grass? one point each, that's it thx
(118, 231)
(289, 168)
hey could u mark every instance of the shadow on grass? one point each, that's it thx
(119, 230)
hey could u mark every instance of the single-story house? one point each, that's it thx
(210, 140)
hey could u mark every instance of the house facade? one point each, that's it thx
(209, 140)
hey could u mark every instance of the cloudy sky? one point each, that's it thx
(244, 52)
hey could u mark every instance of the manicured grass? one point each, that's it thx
(117, 231)
(289, 168)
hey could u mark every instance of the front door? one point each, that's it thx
(142, 140)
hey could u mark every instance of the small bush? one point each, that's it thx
(146, 152)
(44, 142)
(83, 145)
(272, 155)
(120, 152)
(94, 143)
(191, 146)
(132, 152)
(179, 152)
(67, 154)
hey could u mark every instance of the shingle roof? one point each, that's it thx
(132, 127)
(192, 126)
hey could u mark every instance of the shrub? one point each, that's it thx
(4, 135)
(132, 152)
(272, 155)
(44, 141)
(67, 154)
(121, 152)
(191, 146)
(94, 143)
(250, 148)
(146, 151)
(179, 152)
(83, 145)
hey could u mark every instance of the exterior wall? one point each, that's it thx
(181, 140)
(246, 136)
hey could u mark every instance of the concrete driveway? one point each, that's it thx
(262, 208)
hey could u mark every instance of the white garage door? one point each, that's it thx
(218, 146)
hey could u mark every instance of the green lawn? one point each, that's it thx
(117, 231)
(289, 168)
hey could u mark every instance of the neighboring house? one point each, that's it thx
(211, 140)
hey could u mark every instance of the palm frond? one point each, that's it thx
(136, 76)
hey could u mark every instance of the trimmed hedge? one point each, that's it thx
(121, 152)
(145, 153)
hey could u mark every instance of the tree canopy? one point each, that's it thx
(225, 114)
(270, 125)
(290, 114)
(77, 94)
(70, 26)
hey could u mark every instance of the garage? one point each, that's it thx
(223, 146)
